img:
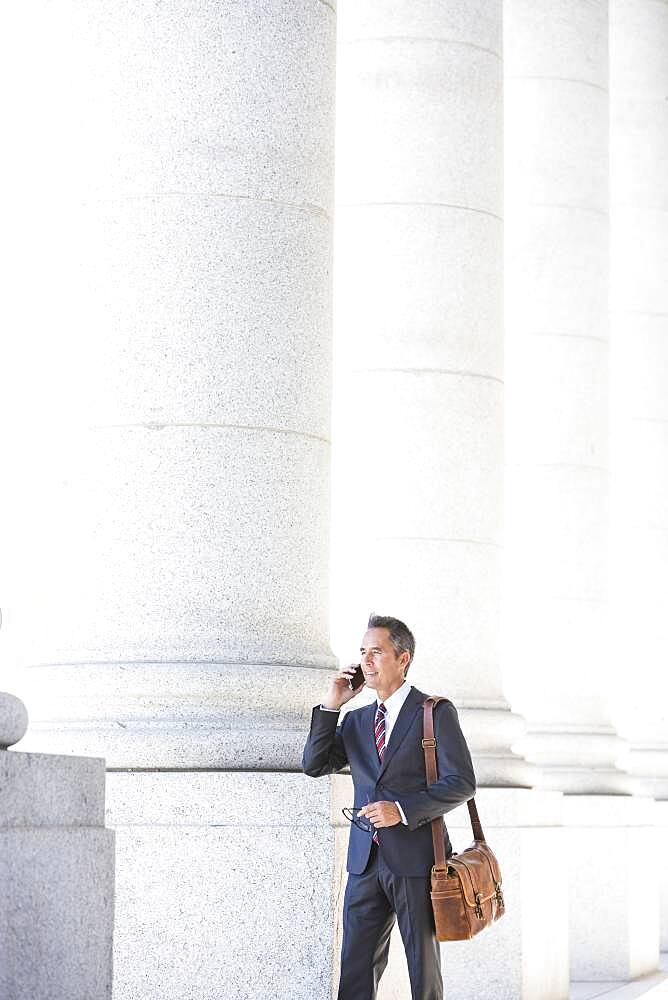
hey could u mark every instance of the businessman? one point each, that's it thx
(390, 853)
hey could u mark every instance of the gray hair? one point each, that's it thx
(401, 637)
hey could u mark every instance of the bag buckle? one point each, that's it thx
(429, 743)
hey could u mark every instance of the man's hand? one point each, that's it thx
(338, 692)
(381, 814)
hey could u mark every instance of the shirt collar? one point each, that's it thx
(397, 698)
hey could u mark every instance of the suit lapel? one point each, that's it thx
(367, 715)
(405, 719)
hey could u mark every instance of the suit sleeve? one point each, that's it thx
(324, 751)
(456, 779)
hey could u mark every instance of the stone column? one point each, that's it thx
(559, 659)
(639, 174)
(418, 408)
(56, 872)
(639, 368)
(180, 556)
(174, 614)
(557, 386)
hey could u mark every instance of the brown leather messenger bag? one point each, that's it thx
(466, 893)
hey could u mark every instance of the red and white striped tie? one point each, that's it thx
(379, 731)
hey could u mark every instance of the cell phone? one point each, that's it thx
(357, 680)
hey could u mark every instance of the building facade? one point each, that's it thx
(346, 308)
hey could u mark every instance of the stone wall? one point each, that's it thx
(56, 874)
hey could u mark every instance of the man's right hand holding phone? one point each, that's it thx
(340, 691)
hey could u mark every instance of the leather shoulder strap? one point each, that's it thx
(431, 768)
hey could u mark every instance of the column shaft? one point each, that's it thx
(174, 539)
(563, 679)
(557, 388)
(172, 529)
(418, 410)
(419, 351)
(639, 330)
(639, 300)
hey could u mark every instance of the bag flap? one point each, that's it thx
(491, 857)
(474, 871)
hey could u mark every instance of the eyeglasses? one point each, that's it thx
(352, 815)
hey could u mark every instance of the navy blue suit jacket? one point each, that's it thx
(407, 849)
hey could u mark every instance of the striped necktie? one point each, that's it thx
(379, 729)
(379, 732)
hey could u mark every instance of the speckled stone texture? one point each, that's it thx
(418, 346)
(180, 513)
(613, 894)
(557, 250)
(226, 887)
(13, 720)
(639, 379)
(56, 879)
(45, 790)
(181, 714)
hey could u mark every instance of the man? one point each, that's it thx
(390, 854)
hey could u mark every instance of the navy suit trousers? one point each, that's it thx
(371, 902)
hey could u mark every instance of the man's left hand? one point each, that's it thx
(381, 814)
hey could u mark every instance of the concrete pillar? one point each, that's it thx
(639, 370)
(182, 557)
(561, 674)
(614, 916)
(557, 386)
(174, 614)
(418, 407)
(639, 312)
(56, 872)
(419, 350)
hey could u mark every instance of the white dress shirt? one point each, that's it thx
(393, 706)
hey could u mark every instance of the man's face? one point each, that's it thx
(383, 669)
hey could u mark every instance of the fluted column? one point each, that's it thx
(419, 350)
(557, 388)
(174, 539)
(639, 304)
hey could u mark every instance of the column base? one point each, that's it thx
(613, 892)
(491, 734)
(661, 813)
(175, 715)
(225, 885)
(647, 766)
(576, 760)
